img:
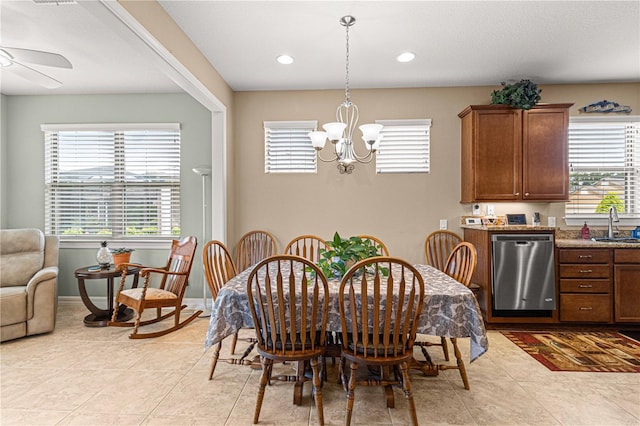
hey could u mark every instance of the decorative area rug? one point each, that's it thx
(580, 351)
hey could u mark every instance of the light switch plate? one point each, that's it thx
(443, 224)
(490, 210)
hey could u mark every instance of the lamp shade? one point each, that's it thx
(334, 130)
(370, 132)
(318, 139)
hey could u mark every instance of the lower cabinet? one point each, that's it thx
(585, 285)
(626, 285)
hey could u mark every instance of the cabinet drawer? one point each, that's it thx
(626, 256)
(585, 286)
(584, 271)
(585, 308)
(584, 256)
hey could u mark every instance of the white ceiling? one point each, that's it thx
(457, 43)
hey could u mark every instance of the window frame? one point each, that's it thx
(601, 219)
(119, 130)
(412, 165)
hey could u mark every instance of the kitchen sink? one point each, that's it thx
(617, 240)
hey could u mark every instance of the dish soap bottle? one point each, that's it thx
(586, 234)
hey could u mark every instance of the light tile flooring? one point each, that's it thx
(97, 376)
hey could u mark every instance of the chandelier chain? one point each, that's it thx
(346, 90)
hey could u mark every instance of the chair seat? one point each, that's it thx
(152, 294)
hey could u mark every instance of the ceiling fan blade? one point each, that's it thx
(38, 57)
(33, 75)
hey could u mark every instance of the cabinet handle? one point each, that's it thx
(588, 308)
(585, 286)
(517, 193)
(585, 271)
(526, 194)
(585, 256)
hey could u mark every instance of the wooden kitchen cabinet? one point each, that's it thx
(510, 154)
(627, 285)
(585, 285)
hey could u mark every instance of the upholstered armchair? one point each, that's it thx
(28, 283)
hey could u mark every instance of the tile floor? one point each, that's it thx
(97, 376)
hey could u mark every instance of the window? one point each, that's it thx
(112, 180)
(404, 147)
(287, 147)
(604, 162)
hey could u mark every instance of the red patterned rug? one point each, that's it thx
(580, 351)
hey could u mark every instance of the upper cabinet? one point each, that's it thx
(510, 154)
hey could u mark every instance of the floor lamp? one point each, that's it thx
(204, 171)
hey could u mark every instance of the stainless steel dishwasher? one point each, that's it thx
(523, 272)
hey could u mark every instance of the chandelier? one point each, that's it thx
(340, 133)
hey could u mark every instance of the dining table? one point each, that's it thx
(449, 310)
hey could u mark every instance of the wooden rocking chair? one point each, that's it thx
(174, 281)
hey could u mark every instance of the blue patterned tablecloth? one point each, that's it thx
(450, 310)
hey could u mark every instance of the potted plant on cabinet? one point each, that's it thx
(523, 94)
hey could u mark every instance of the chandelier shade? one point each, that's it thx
(340, 133)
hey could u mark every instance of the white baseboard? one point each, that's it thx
(101, 302)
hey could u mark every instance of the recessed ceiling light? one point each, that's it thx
(406, 57)
(285, 59)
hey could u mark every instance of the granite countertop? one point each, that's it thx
(579, 243)
(564, 238)
(527, 228)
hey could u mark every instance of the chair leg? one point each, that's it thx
(263, 384)
(351, 392)
(445, 348)
(233, 344)
(317, 390)
(214, 359)
(137, 324)
(406, 387)
(461, 367)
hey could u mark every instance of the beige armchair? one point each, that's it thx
(28, 283)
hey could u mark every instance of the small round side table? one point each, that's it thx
(100, 317)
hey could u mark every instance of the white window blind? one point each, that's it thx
(115, 181)
(287, 147)
(404, 147)
(604, 161)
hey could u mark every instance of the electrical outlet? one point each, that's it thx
(552, 221)
(490, 210)
(475, 210)
(443, 224)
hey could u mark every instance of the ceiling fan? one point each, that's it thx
(13, 59)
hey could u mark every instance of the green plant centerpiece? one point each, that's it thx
(343, 253)
(523, 94)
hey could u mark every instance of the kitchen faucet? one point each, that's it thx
(613, 217)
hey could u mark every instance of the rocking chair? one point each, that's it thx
(174, 281)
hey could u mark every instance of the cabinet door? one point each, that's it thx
(627, 293)
(497, 151)
(545, 168)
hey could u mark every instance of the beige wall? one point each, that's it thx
(401, 209)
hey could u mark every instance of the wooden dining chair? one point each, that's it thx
(253, 247)
(382, 248)
(219, 268)
(307, 246)
(460, 266)
(174, 278)
(289, 307)
(437, 247)
(379, 316)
